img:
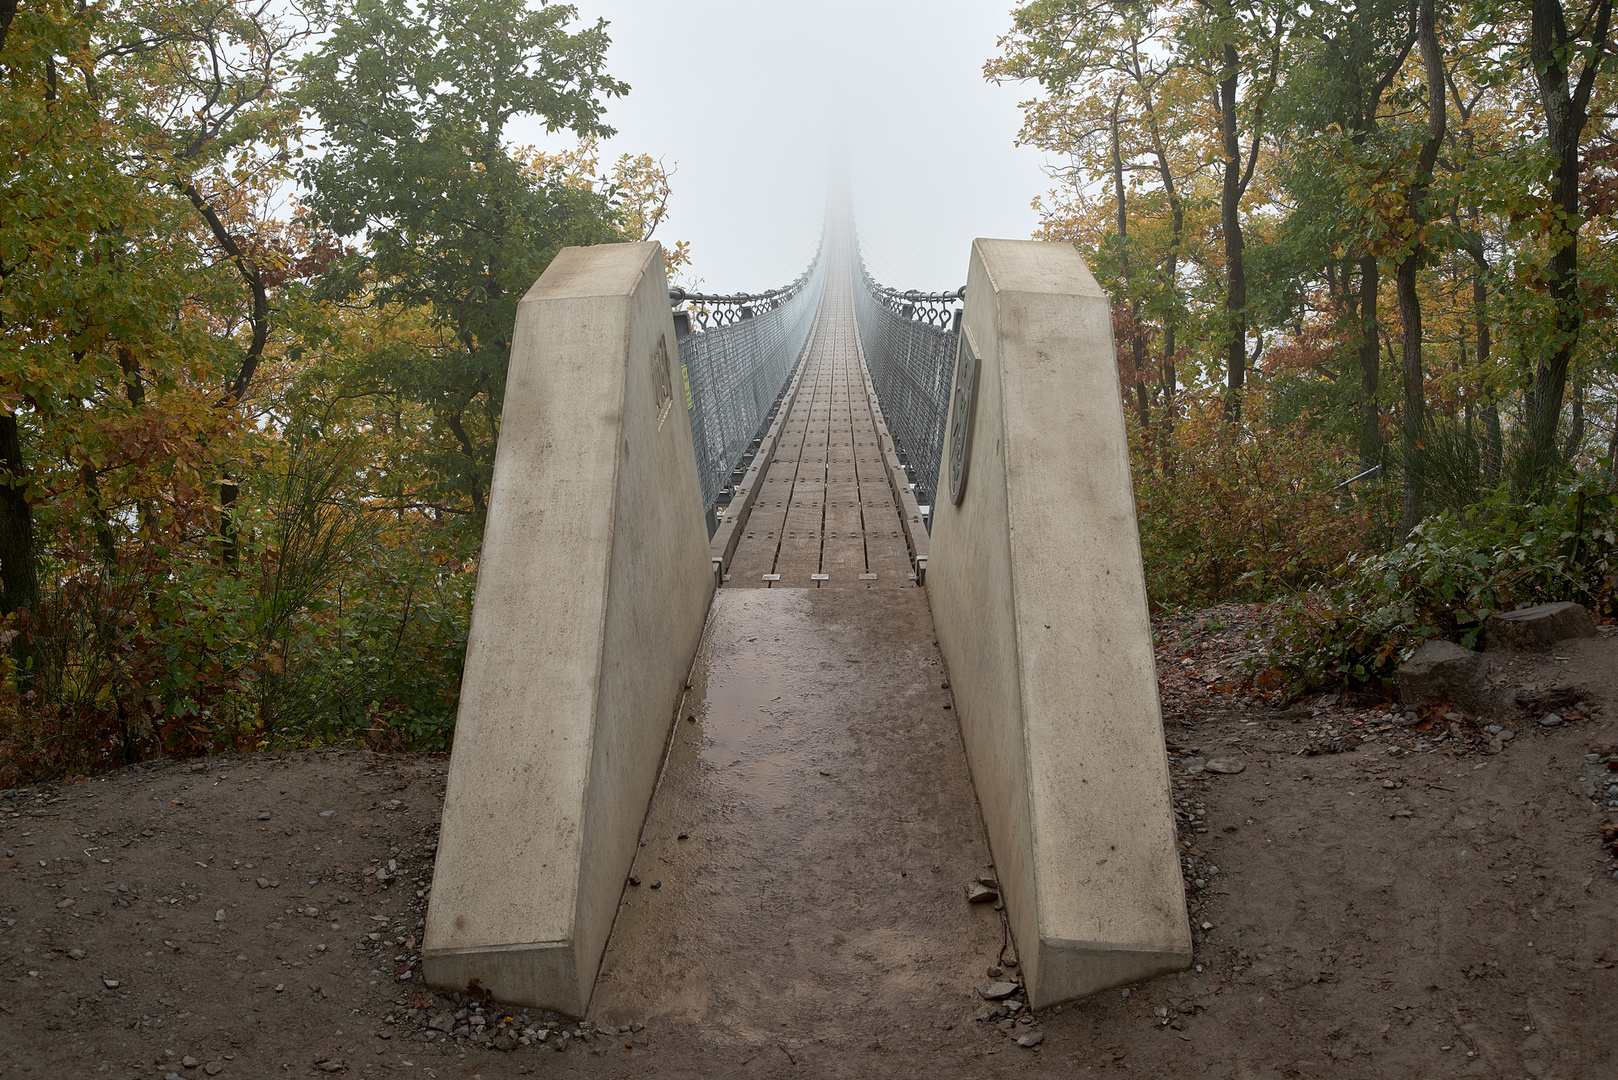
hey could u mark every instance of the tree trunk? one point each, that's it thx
(1415, 401)
(1370, 363)
(1575, 435)
(1230, 223)
(230, 540)
(1566, 108)
(19, 572)
(1171, 283)
(105, 544)
(1612, 447)
(1137, 344)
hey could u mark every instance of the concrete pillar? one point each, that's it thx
(592, 592)
(1039, 601)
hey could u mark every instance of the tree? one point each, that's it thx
(1565, 103)
(412, 103)
(1116, 105)
(1346, 62)
(1415, 227)
(1166, 63)
(1243, 54)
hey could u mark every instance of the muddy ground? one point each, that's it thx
(1374, 895)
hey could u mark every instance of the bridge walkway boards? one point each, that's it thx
(805, 857)
(825, 516)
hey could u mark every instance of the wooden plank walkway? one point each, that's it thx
(825, 516)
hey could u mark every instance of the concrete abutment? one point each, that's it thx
(1039, 601)
(596, 579)
(593, 588)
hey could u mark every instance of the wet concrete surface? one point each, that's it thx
(806, 855)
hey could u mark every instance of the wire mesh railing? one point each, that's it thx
(909, 339)
(737, 353)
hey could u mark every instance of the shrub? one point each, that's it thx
(1452, 574)
(1242, 513)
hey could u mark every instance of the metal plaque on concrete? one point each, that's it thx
(960, 431)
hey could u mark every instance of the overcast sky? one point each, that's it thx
(749, 100)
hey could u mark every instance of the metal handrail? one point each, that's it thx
(909, 338)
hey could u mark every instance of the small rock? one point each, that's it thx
(1225, 766)
(979, 893)
(1496, 746)
(75, 954)
(263, 883)
(996, 991)
(634, 879)
(505, 1043)
(1506, 735)
(331, 1066)
(219, 916)
(199, 767)
(110, 984)
(214, 1068)
(657, 884)
(189, 1062)
(995, 973)
(1032, 1038)
(264, 815)
(62, 905)
(328, 813)
(1195, 764)
(1550, 720)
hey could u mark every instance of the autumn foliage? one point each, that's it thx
(256, 286)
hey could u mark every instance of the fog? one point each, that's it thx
(750, 104)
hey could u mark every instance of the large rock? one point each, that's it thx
(1441, 671)
(1537, 627)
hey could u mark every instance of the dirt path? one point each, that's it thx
(1437, 910)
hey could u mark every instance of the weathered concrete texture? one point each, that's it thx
(807, 853)
(593, 588)
(1441, 671)
(1040, 605)
(1537, 627)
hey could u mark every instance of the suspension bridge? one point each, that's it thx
(805, 618)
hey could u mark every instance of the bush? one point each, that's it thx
(1242, 513)
(338, 624)
(1452, 574)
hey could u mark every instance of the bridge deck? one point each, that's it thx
(825, 506)
(804, 859)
